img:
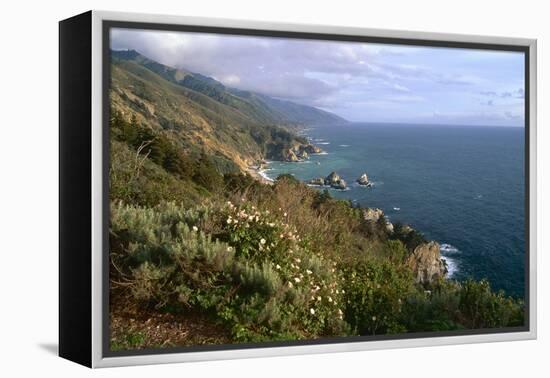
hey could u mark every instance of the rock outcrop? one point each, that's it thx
(332, 178)
(311, 149)
(300, 152)
(335, 181)
(341, 184)
(426, 263)
(372, 214)
(364, 180)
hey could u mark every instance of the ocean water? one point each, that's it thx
(460, 185)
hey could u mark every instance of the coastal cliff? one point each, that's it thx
(426, 263)
(298, 152)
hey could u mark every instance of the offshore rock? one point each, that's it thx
(364, 180)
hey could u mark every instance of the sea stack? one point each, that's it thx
(364, 180)
(334, 180)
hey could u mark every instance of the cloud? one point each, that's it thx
(487, 118)
(518, 93)
(363, 82)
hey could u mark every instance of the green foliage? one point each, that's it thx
(136, 179)
(409, 236)
(153, 145)
(480, 307)
(206, 174)
(256, 277)
(375, 296)
(129, 340)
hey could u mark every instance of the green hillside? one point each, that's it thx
(202, 115)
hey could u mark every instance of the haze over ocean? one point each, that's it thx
(460, 185)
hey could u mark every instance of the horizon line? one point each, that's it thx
(434, 124)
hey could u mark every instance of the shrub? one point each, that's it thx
(409, 236)
(256, 277)
(480, 307)
(135, 179)
(376, 292)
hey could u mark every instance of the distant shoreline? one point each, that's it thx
(257, 173)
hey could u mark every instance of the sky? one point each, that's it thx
(361, 82)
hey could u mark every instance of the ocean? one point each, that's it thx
(462, 186)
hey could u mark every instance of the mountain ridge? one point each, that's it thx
(280, 110)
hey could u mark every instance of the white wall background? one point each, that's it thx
(28, 200)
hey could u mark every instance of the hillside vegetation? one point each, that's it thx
(202, 253)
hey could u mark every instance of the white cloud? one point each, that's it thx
(364, 82)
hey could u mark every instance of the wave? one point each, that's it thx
(322, 153)
(397, 208)
(264, 175)
(343, 145)
(452, 266)
(448, 248)
(328, 187)
(323, 143)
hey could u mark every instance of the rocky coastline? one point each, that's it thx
(335, 181)
(300, 152)
(425, 260)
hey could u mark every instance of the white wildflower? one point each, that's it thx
(229, 220)
(297, 279)
(374, 318)
(309, 271)
(329, 299)
(277, 266)
(318, 298)
(229, 249)
(312, 311)
(195, 228)
(290, 285)
(262, 241)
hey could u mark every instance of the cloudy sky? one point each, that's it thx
(358, 81)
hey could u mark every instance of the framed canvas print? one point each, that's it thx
(239, 189)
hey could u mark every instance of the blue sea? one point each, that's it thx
(462, 186)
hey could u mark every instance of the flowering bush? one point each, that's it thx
(257, 276)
